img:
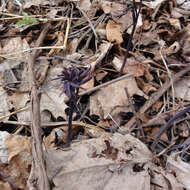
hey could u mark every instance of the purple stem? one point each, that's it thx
(168, 124)
(71, 108)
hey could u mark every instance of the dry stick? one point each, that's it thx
(30, 49)
(12, 113)
(135, 20)
(38, 177)
(168, 125)
(63, 124)
(101, 18)
(90, 23)
(105, 84)
(156, 96)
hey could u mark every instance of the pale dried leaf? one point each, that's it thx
(5, 186)
(180, 168)
(17, 144)
(97, 58)
(175, 23)
(182, 89)
(53, 98)
(85, 5)
(132, 66)
(153, 4)
(101, 156)
(20, 158)
(28, 4)
(19, 101)
(101, 103)
(4, 105)
(110, 7)
(164, 179)
(87, 85)
(15, 45)
(3, 150)
(113, 32)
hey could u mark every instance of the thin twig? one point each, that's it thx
(66, 33)
(105, 84)
(154, 97)
(90, 23)
(170, 76)
(38, 177)
(45, 125)
(12, 113)
(168, 124)
(40, 18)
(100, 19)
(31, 49)
(135, 20)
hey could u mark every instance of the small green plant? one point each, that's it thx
(26, 20)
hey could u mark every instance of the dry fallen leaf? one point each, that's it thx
(101, 163)
(181, 169)
(164, 179)
(146, 87)
(153, 4)
(132, 66)
(87, 85)
(182, 90)
(107, 99)
(3, 149)
(85, 5)
(175, 23)
(20, 159)
(95, 60)
(35, 3)
(4, 105)
(5, 186)
(110, 7)
(113, 32)
(17, 144)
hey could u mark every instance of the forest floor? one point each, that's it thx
(94, 94)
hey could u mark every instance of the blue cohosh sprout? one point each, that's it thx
(72, 79)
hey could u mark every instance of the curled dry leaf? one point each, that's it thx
(87, 85)
(146, 87)
(95, 60)
(17, 144)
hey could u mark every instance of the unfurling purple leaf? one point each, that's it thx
(72, 78)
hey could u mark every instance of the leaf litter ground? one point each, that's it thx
(132, 119)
